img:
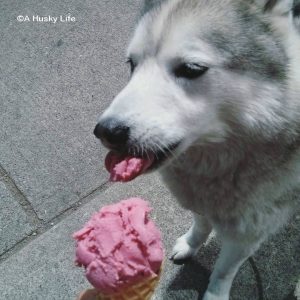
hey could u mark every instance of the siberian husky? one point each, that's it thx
(214, 103)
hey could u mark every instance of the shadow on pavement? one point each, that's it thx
(193, 276)
(271, 274)
(290, 296)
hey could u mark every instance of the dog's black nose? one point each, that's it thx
(112, 133)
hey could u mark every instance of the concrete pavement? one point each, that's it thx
(55, 79)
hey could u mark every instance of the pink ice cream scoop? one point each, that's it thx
(119, 246)
(126, 168)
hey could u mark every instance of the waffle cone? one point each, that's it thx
(140, 291)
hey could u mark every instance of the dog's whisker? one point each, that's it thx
(167, 150)
(147, 154)
(153, 151)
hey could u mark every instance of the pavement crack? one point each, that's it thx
(43, 226)
(20, 197)
(16, 247)
(82, 201)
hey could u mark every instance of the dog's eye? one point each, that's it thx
(189, 70)
(131, 63)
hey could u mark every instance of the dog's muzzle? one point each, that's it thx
(115, 135)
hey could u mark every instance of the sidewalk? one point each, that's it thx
(55, 79)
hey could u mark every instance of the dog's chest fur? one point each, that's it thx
(234, 189)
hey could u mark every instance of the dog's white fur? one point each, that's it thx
(237, 166)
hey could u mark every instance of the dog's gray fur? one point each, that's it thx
(237, 166)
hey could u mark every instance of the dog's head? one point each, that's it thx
(202, 71)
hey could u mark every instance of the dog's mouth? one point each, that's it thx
(128, 165)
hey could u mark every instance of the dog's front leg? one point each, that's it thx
(188, 245)
(232, 256)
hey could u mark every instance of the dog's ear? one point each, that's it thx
(279, 7)
(149, 4)
(296, 14)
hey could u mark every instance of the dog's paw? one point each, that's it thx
(209, 296)
(182, 250)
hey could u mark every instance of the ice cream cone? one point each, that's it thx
(140, 291)
(115, 240)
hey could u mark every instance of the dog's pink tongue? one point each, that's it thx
(126, 168)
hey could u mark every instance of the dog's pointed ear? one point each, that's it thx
(296, 14)
(275, 6)
(149, 4)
